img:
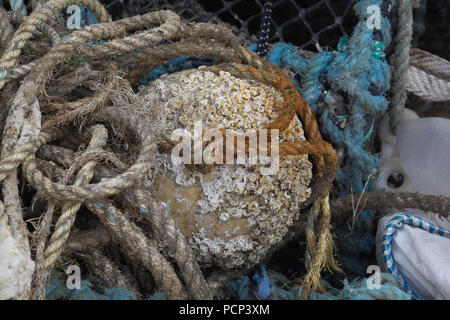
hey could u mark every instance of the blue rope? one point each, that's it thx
(240, 286)
(263, 282)
(57, 290)
(173, 65)
(281, 289)
(357, 69)
(390, 289)
(87, 17)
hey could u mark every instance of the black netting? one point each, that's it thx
(303, 23)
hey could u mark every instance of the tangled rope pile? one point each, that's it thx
(83, 81)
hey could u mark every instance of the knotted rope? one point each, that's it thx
(37, 18)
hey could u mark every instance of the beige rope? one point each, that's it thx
(6, 30)
(182, 252)
(139, 247)
(39, 17)
(428, 76)
(69, 209)
(23, 70)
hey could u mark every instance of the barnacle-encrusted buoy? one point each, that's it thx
(231, 214)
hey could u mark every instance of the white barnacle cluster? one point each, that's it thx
(231, 214)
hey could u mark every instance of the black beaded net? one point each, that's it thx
(307, 24)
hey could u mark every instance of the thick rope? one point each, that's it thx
(23, 70)
(429, 76)
(69, 209)
(6, 30)
(39, 17)
(169, 27)
(166, 228)
(40, 75)
(139, 247)
(27, 143)
(106, 270)
(320, 251)
(38, 242)
(384, 201)
(400, 61)
(42, 71)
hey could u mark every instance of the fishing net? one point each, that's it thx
(305, 24)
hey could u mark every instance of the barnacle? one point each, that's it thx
(232, 214)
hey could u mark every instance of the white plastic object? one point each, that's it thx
(420, 152)
(16, 267)
(421, 257)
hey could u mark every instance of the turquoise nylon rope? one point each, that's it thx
(356, 68)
